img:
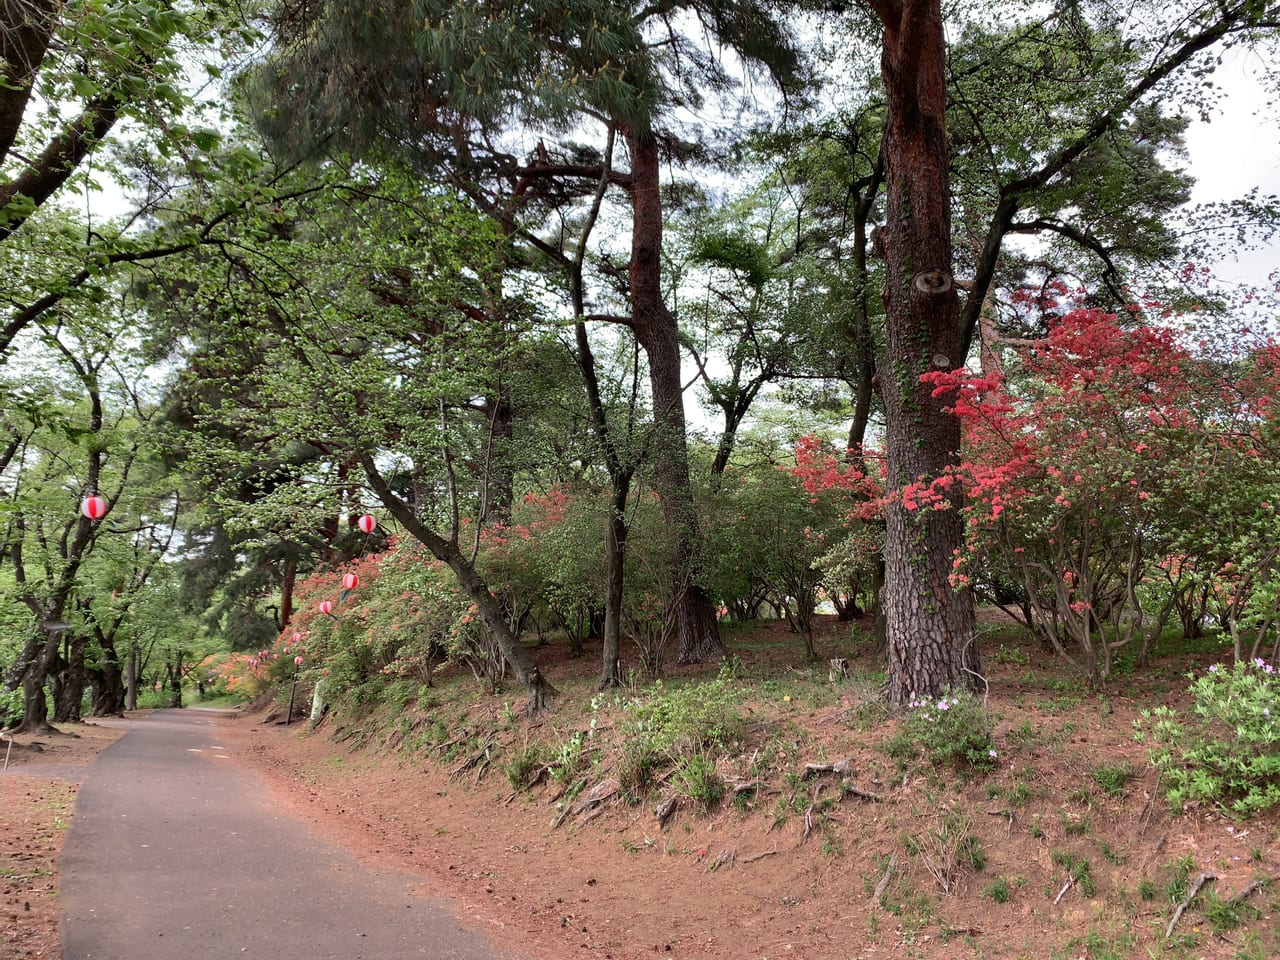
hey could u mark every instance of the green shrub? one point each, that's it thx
(638, 768)
(697, 779)
(1228, 753)
(567, 762)
(954, 729)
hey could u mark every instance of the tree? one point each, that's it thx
(932, 645)
(72, 447)
(370, 330)
(70, 75)
(454, 81)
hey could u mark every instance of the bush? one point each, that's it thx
(954, 729)
(694, 717)
(1229, 754)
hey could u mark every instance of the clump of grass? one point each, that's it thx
(522, 766)
(997, 890)
(1113, 779)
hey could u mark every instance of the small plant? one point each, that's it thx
(697, 779)
(1018, 796)
(1025, 735)
(952, 852)
(1113, 779)
(1147, 888)
(1228, 754)
(1074, 824)
(954, 729)
(1113, 855)
(567, 762)
(1012, 655)
(522, 767)
(997, 890)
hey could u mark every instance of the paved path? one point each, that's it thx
(174, 854)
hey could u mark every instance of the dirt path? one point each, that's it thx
(176, 852)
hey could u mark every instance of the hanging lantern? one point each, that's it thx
(95, 508)
(326, 607)
(297, 661)
(350, 581)
(366, 523)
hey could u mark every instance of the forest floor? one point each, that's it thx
(1065, 850)
(37, 796)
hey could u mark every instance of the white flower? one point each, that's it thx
(992, 754)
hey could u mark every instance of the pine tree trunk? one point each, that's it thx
(931, 633)
(655, 329)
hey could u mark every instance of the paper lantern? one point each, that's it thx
(350, 581)
(297, 661)
(326, 607)
(95, 508)
(366, 523)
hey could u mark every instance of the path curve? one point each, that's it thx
(175, 854)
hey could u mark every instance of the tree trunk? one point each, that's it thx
(655, 328)
(131, 680)
(174, 673)
(35, 708)
(106, 682)
(932, 643)
(69, 683)
(288, 580)
(616, 547)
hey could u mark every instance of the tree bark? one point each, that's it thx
(932, 645)
(655, 328)
(69, 683)
(25, 32)
(106, 681)
(616, 549)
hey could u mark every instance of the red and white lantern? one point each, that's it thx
(350, 581)
(366, 523)
(95, 508)
(326, 607)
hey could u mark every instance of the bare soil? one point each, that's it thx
(37, 795)
(797, 868)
